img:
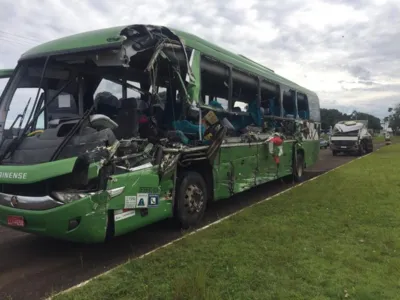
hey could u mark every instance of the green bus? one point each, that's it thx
(108, 131)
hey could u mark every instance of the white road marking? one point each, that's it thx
(209, 225)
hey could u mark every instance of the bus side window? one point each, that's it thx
(244, 91)
(289, 104)
(302, 106)
(214, 83)
(270, 101)
(245, 100)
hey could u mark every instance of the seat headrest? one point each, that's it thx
(106, 103)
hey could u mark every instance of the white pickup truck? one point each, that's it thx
(351, 137)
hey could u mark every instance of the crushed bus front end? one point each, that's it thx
(30, 202)
(43, 199)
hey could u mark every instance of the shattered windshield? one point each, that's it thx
(83, 104)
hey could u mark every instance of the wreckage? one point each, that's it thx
(351, 136)
(130, 125)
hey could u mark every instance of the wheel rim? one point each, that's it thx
(194, 199)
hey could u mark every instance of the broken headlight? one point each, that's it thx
(68, 197)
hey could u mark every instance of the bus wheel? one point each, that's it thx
(298, 169)
(362, 148)
(191, 199)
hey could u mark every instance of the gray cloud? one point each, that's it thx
(345, 50)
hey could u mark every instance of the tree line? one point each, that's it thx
(329, 117)
(394, 119)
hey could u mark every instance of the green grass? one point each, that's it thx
(337, 237)
(381, 139)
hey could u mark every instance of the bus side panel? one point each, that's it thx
(245, 165)
(139, 184)
(241, 167)
(311, 152)
(286, 160)
(269, 170)
(236, 170)
(222, 185)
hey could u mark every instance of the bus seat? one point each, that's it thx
(236, 109)
(272, 108)
(107, 104)
(303, 114)
(127, 119)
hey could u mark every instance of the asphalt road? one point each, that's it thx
(32, 267)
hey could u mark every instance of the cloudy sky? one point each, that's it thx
(346, 50)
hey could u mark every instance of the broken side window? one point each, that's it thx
(244, 91)
(245, 106)
(270, 99)
(302, 106)
(214, 83)
(289, 103)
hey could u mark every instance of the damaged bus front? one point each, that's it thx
(108, 131)
(87, 156)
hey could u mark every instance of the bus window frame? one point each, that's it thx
(307, 98)
(293, 93)
(257, 89)
(228, 67)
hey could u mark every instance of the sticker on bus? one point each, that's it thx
(141, 200)
(130, 202)
(153, 200)
(122, 214)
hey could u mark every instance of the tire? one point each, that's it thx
(298, 170)
(371, 147)
(362, 149)
(190, 186)
(334, 153)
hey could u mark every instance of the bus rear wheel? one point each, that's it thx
(191, 199)
(298, 170)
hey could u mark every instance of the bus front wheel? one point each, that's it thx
(191, 199)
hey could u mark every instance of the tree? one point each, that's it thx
(329, 117)
(394, 118)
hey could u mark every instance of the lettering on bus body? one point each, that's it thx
(13, 175)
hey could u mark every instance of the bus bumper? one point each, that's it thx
(84, 220)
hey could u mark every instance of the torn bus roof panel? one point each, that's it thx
(114, 37)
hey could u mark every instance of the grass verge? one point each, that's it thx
(381, 139)
(337, 237)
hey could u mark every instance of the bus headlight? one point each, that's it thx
(68, 197)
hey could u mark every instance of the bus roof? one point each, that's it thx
(111, 38)
(6, 73)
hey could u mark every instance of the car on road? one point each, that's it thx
(323, 144)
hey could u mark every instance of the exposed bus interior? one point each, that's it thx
(131, 107)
